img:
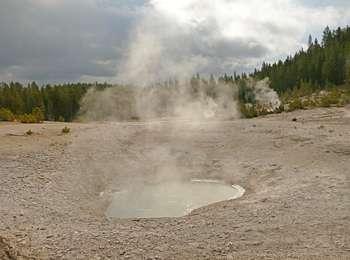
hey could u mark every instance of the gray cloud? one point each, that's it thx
(338, 3)
(70, 40)
(63, 42)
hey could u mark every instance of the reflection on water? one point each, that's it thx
(174, 199)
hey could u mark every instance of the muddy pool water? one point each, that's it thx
(171, 199)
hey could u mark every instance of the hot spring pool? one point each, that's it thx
(174, 199)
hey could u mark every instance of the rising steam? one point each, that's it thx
(163, 48)
(165, 153)
(160, 49)
(200, 101)
(264, 95)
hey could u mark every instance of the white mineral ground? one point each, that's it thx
(54, 189)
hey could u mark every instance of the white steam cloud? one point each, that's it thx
(160, 49)
(198, 101)
(264, 95)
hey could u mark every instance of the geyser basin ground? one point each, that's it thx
(170, 199)
(296, 176)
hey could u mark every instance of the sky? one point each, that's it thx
(142, 41)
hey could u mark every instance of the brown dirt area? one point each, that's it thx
(54, 188)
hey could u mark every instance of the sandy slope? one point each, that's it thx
(54, 188)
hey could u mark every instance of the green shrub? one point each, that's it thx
(66, 130)
(248, 111)
(308, 103)
(333, 96)
(295, 104)
(28, 119)
(280, 109)
(6, 115)
(29, 132)
(345, 99)
(251, 111)
(330, 98)
(38, 114)
(263, 109)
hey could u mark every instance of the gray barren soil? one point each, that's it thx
(54, 189)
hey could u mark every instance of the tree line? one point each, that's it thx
(32, 103)
(323, 65)
(316, 77)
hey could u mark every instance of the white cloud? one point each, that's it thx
(177, 38)
(278, 24)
